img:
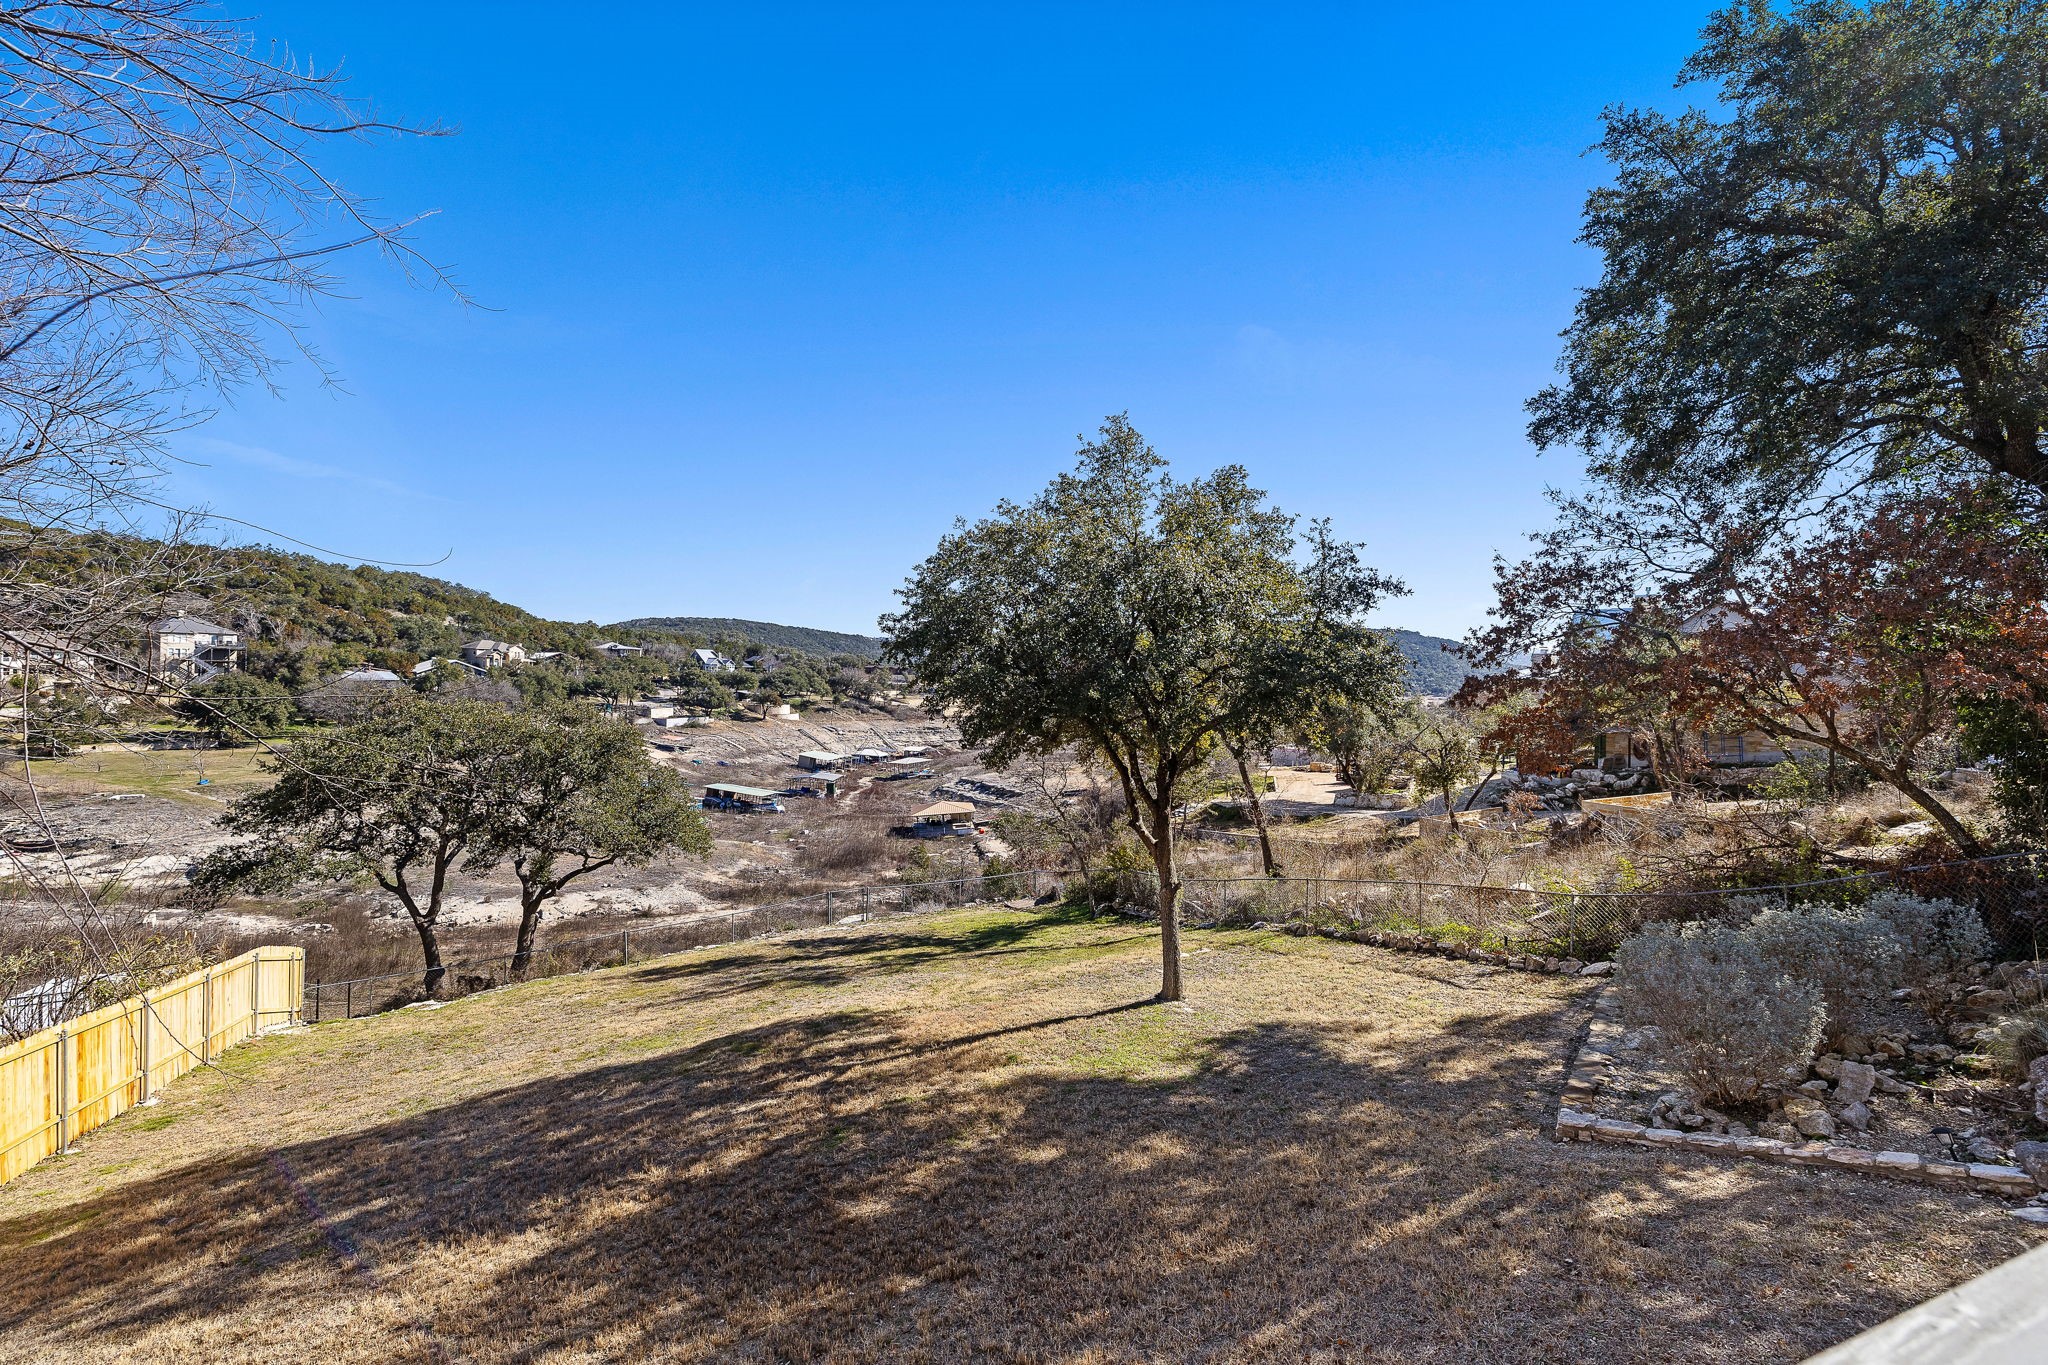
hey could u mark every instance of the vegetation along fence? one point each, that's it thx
(554, 957)
(71, 1078)
(1564, 922)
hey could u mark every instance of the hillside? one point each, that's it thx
(1435, 668)
(964, 1136)
(767, 633)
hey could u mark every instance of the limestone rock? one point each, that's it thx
(1983, 1149)
(2032, 1214)
(1807, 1115)
(1857, 1115)
(1858, 1079)
(2037, 1077)
(1828, 1066)
(2032, 1157)
(1597, 969)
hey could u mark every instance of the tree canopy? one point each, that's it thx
(1142, 618)
(1843, 275)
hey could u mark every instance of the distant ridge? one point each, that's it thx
(810, 640)
(1436, 666)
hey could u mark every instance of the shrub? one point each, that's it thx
(1731, 1022)
(1938, 938)
(2016, 1041)
(1855, 960)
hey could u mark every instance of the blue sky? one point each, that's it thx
(766, 296)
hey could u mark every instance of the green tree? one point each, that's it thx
(1840, 275)
(1133, 613)
(402, 795)
(1443, 751)
(579, 793)
(237, 709)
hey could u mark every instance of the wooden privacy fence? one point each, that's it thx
(71, 1078)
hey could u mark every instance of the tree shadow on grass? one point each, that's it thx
(849, 1186)
(830, 959)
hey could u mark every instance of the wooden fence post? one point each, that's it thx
(142, 1046)
(205, 1016)
(63, 1081)
(256, 990)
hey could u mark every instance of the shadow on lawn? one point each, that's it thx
(830, 959)
(844, 1187)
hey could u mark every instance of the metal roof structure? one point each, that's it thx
(945, 810)
(734, 789)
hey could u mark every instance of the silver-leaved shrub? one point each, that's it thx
(1729, 1019)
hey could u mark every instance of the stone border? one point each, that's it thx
(1596, 1054)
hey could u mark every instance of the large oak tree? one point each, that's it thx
(1839, 273)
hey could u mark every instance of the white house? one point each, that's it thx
(489, 654)
(711, 661)
(617, 650)
(189, 648)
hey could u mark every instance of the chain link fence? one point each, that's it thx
(629, 943)
(1562, 922)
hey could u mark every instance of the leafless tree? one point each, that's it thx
(163, 221)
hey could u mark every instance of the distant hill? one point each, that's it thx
(1436, 666)
(766, 633)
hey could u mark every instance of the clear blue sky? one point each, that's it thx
(770, 294)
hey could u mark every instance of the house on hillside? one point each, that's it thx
(619, 651)
(817, 760)
(489, 654)
(189, 649)
(1619, 749)
(426, 666)
(711, 661)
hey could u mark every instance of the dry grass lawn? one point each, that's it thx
(172, 773)
(945, 1139)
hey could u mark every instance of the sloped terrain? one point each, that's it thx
(958, 1137)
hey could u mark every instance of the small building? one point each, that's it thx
(653, 710)
(373, 677)
(711, 661)
(192, 649)
(426, 666)
(619, 651)
(814, 760)
(488, 654)
(732, 796)
(944, 818)
(872, 755)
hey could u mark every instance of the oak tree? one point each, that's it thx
(1140, 615)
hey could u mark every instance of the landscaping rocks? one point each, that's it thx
(2037, 1077)
(2032, 1157)
(1677, 1123)
(1856, 1081)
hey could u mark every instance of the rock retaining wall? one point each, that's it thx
(1596, 1054)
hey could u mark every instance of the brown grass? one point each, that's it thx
(955, 1138)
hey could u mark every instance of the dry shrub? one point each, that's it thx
(2016, 1041)
(1853, 959)
(850, 847)
(1732, 1023)
(1940, 938)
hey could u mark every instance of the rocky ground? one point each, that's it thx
(1911, 1087)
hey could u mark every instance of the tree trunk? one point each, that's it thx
(529, 924)
(1166, 864)
(1964, 841)
(430, 950)
(1257, 810)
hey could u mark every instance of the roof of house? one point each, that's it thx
(489, 644)
(734, 789)
(822, 755)
(188, 625)
(945, 810)
(369, 675)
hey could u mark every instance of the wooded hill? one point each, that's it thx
(764, 633)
